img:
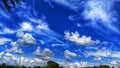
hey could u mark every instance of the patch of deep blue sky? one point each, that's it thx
(58, 20)
(58, 17)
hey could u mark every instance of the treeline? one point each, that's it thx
(50, 64)
(101, 66)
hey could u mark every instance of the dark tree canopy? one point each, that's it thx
(8, 4)
(52, 64)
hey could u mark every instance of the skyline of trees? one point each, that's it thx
(50, 64)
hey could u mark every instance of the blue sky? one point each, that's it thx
(84, 32)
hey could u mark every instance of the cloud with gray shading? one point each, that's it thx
(15, 49)
(46, 54)
(25, 39)
(83, 40)
(68, 55)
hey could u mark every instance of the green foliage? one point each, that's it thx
(101, 66)
(37, 67)
(50, 64)
(9, 4)
(113, 67)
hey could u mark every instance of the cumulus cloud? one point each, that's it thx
(26, 26)
(84, 40)
(37, 53)
(32, 62)
(4, 40)
(7, 58)
(26, 39)
(15, 49)
(20, 34)
(46, 54)
(115, 63)
(75, 65)
(68, 55)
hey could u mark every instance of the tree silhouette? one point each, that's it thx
(11, 3)
(7, 5)
(52, 64)
(101, 66)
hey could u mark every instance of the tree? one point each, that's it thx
(7, 5)
(113, 67)
(37, 67)
(10, 4)
(52, 64)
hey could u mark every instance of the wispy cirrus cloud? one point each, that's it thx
(105, 16)
(103, 53)
(4, 40)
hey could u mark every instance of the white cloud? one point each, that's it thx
(38, 53)
(101, 53)
(7, 58)
(46, 54)
(15, 49)
(6, 30)
(104, 53)
(92, 8)
(115, 54)
(32, 62)
(71, 4)
(57, 45)
(26, 39)
(68, 55)
(4, 40)
(42, 26)
(84, 40)
(63, 2)
(97, 59)
(105, 16)
(1, 54)
(115, 63)
(76, 65)
(26, 26)
(20, 34)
